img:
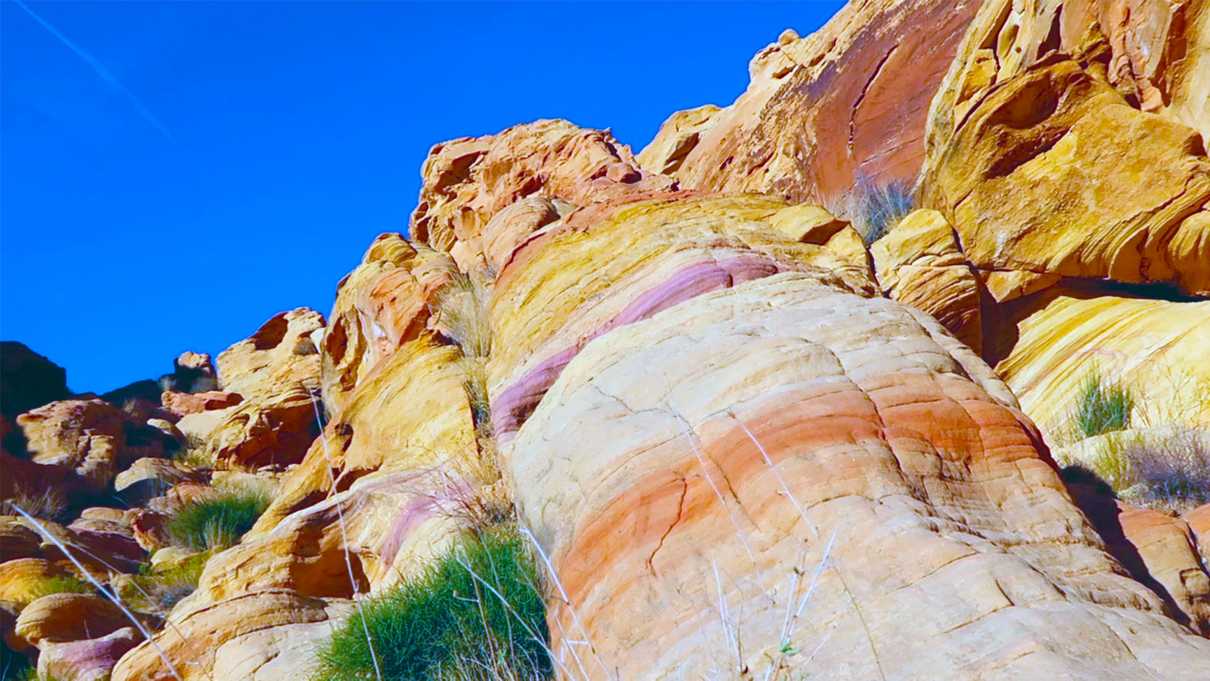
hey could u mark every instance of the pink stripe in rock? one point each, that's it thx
(518, 401)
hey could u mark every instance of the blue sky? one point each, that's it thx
(172, 174)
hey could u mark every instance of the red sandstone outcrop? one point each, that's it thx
(823, 113)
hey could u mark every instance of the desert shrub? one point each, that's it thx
(461, 311)
(158, 589)
(1173, 473)
(50, 504)
(448, 623)
(875, 208)
(217, 522)
(1101, 406)
(1113, 464)
(194, 453)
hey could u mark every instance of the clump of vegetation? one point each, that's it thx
(157, 589)
(217, 522)
(49, 504)
(476, 613)
(460, 309)
(874, 209)
(1171, 474)
(1102, 406)
(59, 584)
(194, 453)
(1113, 464)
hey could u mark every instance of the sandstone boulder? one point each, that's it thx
(17, 540)
(275, 372)
(278, 355)
(920, 263)
(703, 496)
(86, 660)
(86, 436)
(383, 304)
(271, 430)
(1199, 524)
(1150, 347)
(201, 633)
(183, 404)
(68, 617)
(468, 181)
(24, 580)
(149, 478)
(1043, 166)
(193, 372)
(1166, 547)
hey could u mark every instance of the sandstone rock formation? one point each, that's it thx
(183, 404)
(85, 436)
(709, 465)
(68, 617)
(920, 263)
(1146, 345)
(275, 373)
(741, 443)
(1021, 135)
(846, 103)
(85, 660)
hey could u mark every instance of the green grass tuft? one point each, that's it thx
(445, 623)
(60, 584)
(218, 522)
(157, 589)
(1101, 406)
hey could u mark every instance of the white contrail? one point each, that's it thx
(102, 72)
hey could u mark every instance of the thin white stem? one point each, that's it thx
(701, 460)
(777, 474)
(344, 537)
(732, 641)
(550, 568)
(528, 629)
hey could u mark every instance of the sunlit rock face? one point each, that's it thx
(843, 106)
(743, 442)
(736, 436)
(1046, 161)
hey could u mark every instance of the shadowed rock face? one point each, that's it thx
(27, 379)
(849, 101)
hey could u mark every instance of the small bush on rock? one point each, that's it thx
(217, 522)
(1171, 474)
(157, 589)
(476, 613)
(1102, 406)
(874, 209)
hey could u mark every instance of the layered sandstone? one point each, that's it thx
(1044, 165)
(1148, 346)
(920, 263)
(843, 106)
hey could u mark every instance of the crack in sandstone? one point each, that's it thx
(861, 97)
(680, 514)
